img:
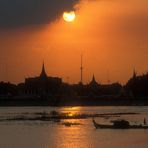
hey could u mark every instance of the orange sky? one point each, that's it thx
(112, 35)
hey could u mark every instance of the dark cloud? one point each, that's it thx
(17, 13)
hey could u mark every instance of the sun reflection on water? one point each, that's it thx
(69, 137)
(72, 110)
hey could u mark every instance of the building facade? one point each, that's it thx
(43, 84)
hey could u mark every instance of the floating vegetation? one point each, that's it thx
(55, 116)
(71, 123)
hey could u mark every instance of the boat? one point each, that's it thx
(119, 124)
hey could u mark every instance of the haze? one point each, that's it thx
(112, 35)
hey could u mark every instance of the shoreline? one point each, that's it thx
(44, 104)
(73, 101)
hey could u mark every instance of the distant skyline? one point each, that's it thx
(112, 35)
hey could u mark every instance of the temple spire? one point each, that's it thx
(93, 79)
(134, 73)
(43, 72)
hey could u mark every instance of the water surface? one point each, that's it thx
(44, 134)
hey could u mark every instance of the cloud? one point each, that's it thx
(18, 13)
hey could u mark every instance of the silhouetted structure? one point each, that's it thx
(93, 83)
(43, 85)
(7, 90)
(81, 70)
(94, 89)
(51, 90)
(137, 86)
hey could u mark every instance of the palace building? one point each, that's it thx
(43, 84)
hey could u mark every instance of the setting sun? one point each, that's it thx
(69, 16)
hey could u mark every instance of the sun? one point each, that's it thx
(69, 16)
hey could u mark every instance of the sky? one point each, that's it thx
(112, 35)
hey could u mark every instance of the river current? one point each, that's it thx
(44, 134)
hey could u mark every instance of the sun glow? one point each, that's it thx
(69, 16)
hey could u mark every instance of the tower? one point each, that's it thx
(43, 72)
(81, 69)
(134, 74)
(108, 77)
(93, 78)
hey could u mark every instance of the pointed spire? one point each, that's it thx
(93, 79)
(93, 82)
(43, 72)
(134, 73)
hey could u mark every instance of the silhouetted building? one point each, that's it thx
(43, 85)
(7, 90)
(137, 86)
(134, 74)
(93, 83)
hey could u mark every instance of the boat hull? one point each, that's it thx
(103, 126)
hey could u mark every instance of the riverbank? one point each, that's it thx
(75, 101)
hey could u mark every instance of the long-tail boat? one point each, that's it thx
(119, 124)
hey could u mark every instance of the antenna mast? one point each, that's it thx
(108, 77)
(81, 69)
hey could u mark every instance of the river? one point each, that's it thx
(44, 134)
